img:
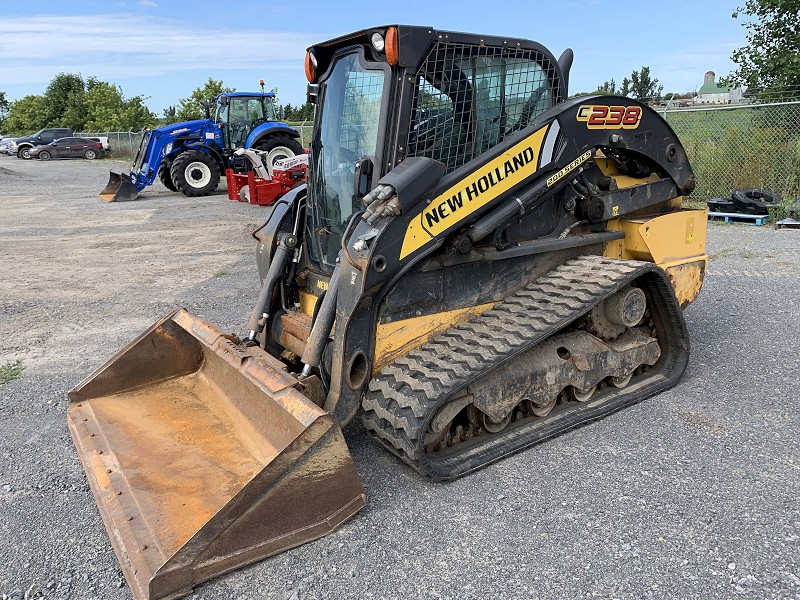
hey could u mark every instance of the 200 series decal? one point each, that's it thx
(600, 116)
(569, 168)
(475, 190)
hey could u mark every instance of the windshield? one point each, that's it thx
(347, 131)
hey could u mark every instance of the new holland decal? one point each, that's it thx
(609, 117)
(479, 188)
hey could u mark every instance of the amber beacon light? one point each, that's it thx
(310, 67)
(392, 49)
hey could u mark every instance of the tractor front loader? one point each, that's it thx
(189, 157)
(476, 264)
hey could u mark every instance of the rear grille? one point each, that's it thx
(469, 98)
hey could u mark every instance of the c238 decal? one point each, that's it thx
(600, 116)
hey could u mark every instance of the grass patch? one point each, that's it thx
(10, 371)
(722, 253)
(221, 273)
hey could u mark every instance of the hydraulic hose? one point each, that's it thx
(321, 329)
(277, 268)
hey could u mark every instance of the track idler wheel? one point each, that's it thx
(540, 408)
(582, 395)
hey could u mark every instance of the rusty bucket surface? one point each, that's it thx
(119, 188)
(203, 457)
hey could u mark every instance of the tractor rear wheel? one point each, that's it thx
(195, 173)
(278, 146)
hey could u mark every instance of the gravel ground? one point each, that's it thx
(691, 494)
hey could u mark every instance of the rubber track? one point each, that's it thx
(402, 398)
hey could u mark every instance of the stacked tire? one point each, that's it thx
(747, 201)
(755, 201)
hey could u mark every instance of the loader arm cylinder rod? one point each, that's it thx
(321, 329)
(518, 206)
(277, 267)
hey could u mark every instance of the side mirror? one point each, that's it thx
(362, 178)
(311, 93)
(223, 100)
(207, 108)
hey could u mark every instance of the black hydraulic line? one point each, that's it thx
(516, 206)
(277, 267)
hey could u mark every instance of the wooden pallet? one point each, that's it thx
(738, 217)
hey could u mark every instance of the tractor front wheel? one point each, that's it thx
(195, 173)
(165, 176)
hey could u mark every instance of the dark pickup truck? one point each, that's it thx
(43, 136)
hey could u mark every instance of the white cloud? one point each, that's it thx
(147, 4)
(127, 45)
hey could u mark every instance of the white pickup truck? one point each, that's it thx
(103, 140)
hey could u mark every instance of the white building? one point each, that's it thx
(713, 93)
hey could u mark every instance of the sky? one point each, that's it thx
(164, 49)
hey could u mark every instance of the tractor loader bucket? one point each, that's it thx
(119, 188)
(204, 456)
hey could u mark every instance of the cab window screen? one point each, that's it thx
(468, 99)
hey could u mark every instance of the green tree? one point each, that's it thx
(108, 110)
(170, 115)
(4, 106)
(191, 108)
(26, 115)
(642, 85)
(770, 61)
(63, 101)
(608, 88)
(625, 90)
(135, 114)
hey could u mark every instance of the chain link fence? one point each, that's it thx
(730, 146)
(741, 146)
(124, 144)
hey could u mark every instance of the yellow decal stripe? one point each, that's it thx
(479, 188)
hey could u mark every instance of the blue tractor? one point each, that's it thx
(189, 157)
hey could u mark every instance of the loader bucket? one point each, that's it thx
(204, 456)
(119, 188)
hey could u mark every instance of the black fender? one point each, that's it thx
(275, 129)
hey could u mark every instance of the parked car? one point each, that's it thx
(8, 146)
(70, 147)
(41, 137)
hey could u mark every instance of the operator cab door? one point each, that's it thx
(221, 119)
(245, 113)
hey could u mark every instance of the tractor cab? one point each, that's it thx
(387, 94)
(238, 113)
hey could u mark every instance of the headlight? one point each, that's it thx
(378, 42)
(168, 148)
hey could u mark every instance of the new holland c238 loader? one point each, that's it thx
(476, 264)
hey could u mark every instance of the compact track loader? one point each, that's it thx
(476, 264)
